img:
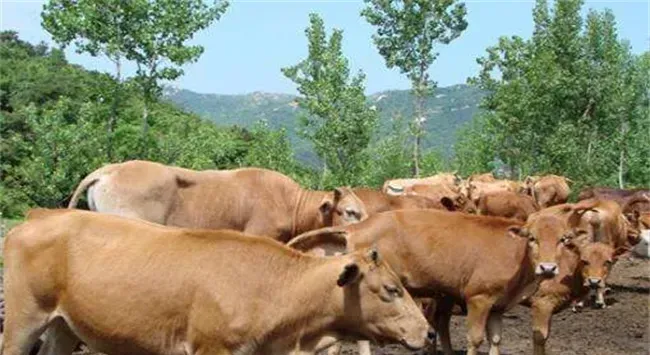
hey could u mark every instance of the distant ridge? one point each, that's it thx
(447, 110)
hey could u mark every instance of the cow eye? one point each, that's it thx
(585, 262)
(350, 212)
(392, 290)
(608, 263)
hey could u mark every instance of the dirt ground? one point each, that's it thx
(621, 329)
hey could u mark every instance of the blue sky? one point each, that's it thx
(245, 50)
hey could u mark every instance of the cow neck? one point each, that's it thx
(525, 282)
(306, 212)
(309, 306)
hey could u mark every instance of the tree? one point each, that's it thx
(152, 33)
(570, 100)
(406, 34)
(95, 27)
(339, 121)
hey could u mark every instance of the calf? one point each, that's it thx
(126, 286)
(507, 204)
(488, 263)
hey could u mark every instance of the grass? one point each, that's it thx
(8, 224)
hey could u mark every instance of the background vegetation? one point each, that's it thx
(571, 100)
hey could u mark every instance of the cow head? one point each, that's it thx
(553, 229)
(342, 207)
(376, 305)
(468, 190)
(459, 203)
(543, 269)
(546, 235)
(596, 260)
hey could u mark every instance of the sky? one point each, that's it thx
(245, 50)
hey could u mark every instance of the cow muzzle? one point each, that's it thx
(594, 282)
(547, 269)
(418, 341)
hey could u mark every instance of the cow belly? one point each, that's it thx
(114, 341)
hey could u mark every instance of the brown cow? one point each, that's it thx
(397, 186)
(639, 202)
(507, 204)
(474, 190)
(444, 197)
(486, 177)
(489, 263)
(376, 201)
(548, 190)
(127, 286)
(609, 225)
(608, 193)
(582, 265)
(255, 201)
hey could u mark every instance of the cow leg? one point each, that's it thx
(442, 317)
(478, 310)
(494, 326)
(364, 347)
(541, 313)
(59, 339)
(334, 349)
(430, 315)
(22, 330)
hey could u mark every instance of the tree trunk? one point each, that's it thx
(145, 127)
(112, 120)
(621, 156)
(417, 126)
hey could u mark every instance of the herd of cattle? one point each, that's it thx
(171, 263)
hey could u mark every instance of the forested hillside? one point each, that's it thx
(54, 118)
(571, 99)
(447, 110)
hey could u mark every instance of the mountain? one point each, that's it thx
(447, 110)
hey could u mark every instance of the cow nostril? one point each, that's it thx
(594, 282)
(431, 335)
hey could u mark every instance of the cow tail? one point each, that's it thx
(86, 183)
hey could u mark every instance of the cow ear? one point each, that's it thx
(576, 239)
(620, 251)
(448, 203)
(516, 231)
(338, 192)
(326, 207)
(349, 275)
